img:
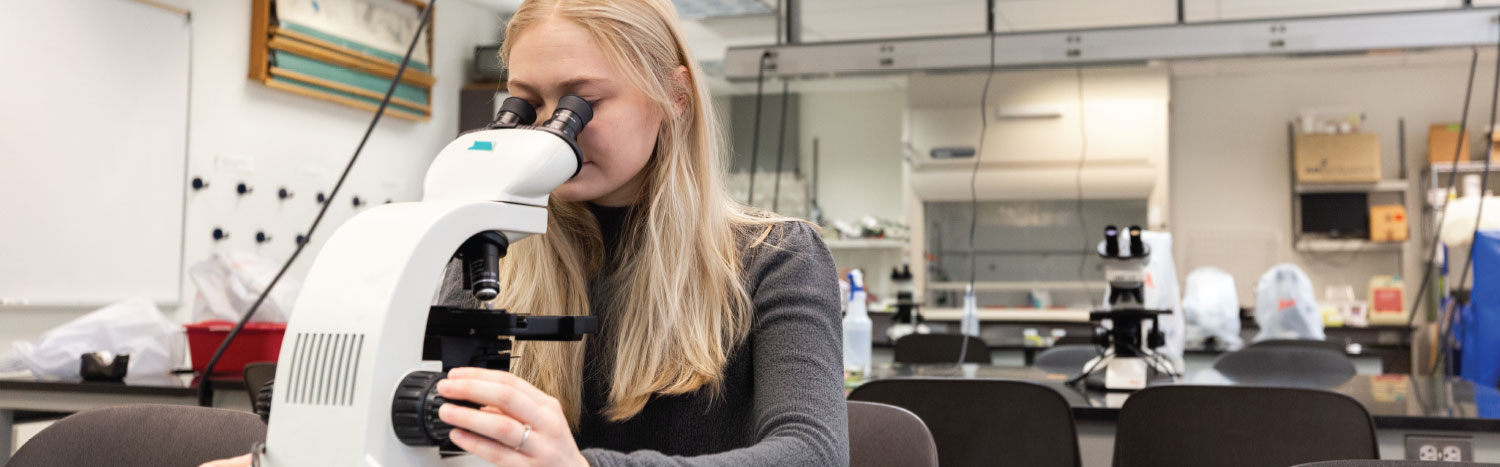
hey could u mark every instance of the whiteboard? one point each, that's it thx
(93, 149)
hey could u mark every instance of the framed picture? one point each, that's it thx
(345, 51)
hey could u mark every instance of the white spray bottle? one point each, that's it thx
(857, 329)
(969, 322)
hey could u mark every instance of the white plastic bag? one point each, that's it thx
(1212, 308)
(1285, 307)
(135, 326)
(1162, 292)
(229, 282)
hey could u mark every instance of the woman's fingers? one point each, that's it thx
(503, 377)
(509, 400)
(494, 426)
(242, 461)
(487, 449)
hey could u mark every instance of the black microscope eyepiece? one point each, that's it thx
(1111, 241)
(1137, 245)
(514, 111)
(572, 115)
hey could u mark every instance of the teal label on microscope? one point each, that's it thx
(482, 146)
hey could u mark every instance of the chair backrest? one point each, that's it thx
(1392, 463)
(882, 435)
(1236, 426)
(1066, 359)
(1305, 343)
(1073, 339)
(985, 422)
(256, 376)
(941, 348)
(144, 435)
(1281, 365)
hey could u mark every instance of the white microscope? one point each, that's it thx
(355, 384)
(1127, 361)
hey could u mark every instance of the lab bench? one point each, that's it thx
(1004, 331)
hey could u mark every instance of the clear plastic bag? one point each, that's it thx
(156, 345)
(229, 282)
(1212, 308)
(1285, 307)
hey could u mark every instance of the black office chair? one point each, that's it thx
(1233, 426)
(1393, 463)
(1292, 366)
(256, 377)
(883, 435)
(1066, 359)
(144, 435)
(941, 348)
(985, 422)
(1073, 339)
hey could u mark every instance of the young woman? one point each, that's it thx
(720, 327)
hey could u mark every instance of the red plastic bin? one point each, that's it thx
(257, 342)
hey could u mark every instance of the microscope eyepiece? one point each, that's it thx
(514, 111)
(1111, 241)
(572, 115)
(1137, 246)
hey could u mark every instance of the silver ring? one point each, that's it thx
(524, 436)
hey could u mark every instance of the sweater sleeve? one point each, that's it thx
(800, 418)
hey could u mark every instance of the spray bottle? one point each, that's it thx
(857, 329)
(969, 321)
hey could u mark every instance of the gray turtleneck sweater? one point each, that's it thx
(782, 402)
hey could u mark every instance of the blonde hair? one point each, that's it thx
(679, 307)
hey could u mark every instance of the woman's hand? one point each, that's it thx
(519, 425)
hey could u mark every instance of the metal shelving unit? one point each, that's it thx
(1315, 245)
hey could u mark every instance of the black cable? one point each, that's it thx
(984, 125)
(760, 80)
(1437, 237)
(1088, 371)
(786, 92)
(205, 388)
(1083, 154)
(1444, 334)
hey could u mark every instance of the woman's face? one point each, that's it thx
(557, 57)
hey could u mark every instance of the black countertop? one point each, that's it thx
(147, 385)
(1395, 401)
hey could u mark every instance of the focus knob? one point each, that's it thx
(414, 410)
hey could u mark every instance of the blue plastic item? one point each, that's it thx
(1480, 334)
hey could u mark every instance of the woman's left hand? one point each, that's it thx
(499, 432)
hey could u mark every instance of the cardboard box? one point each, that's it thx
(1353, 157)
(1387, 301)
(1388, 223)
(1440, 141)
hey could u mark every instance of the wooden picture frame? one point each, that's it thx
(307, 62)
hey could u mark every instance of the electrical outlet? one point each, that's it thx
(1440, 448)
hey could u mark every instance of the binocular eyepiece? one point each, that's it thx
(572, 115)
(1112, 245)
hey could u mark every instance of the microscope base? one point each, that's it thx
(1126, 374)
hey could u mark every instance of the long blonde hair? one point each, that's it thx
(680, 307)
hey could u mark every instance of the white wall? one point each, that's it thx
(859, 150)
(242, 131)
(1230, 167)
